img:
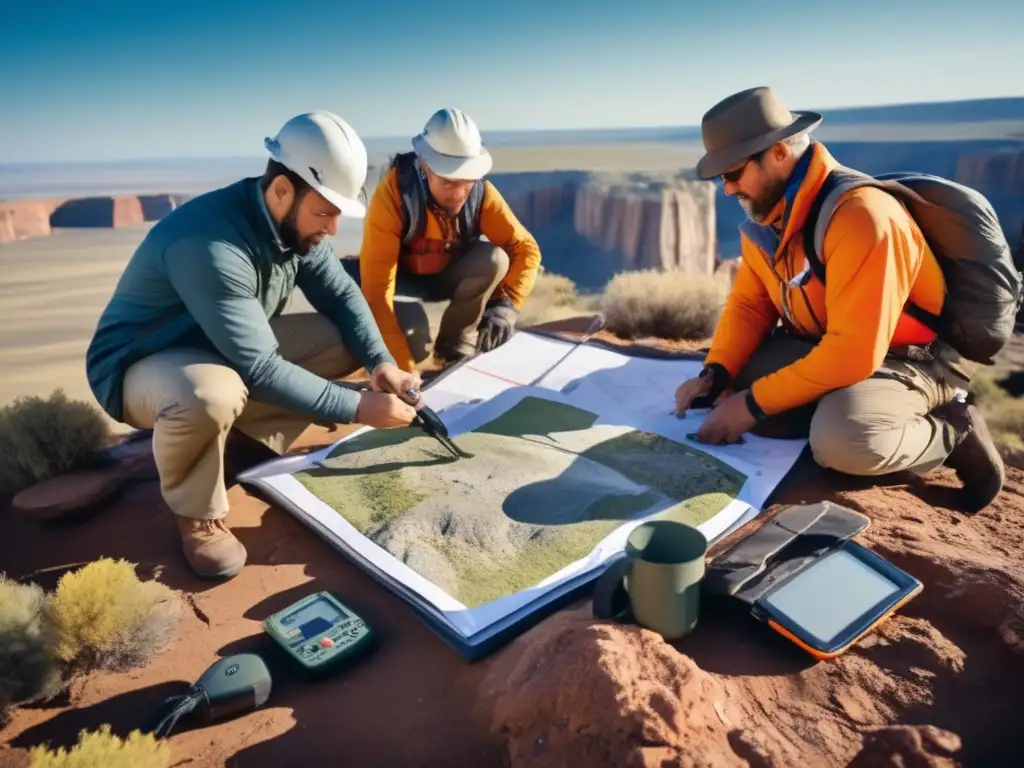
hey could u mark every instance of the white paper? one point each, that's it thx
(621, 390)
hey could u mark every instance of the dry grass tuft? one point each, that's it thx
(670, 305)
(108, 619)
(1004, 414)
(29, 668)
(102, 749)
(41, 438)
(554, 297)
(99, 617)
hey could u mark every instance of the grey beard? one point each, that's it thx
(758, 210)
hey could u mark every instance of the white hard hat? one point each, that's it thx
(328, 154)
(452, 147)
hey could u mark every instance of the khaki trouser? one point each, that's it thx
(877, 426)
(467, 282)
(190, 398)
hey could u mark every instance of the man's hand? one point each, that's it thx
(388, 377)
(497, 325)
(689, 391)
(383, 410)
(727, 421)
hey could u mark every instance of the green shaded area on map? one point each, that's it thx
(543, 487)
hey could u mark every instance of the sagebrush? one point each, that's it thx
(44, 437)
(103, 749)
(100, 617)
(108, 619)
(29, 667)
(672, 304)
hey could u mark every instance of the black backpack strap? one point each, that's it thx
(413, 195)
(827, 196)
(469, 216)
(839, 181)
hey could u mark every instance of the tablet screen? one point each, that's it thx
(830, 594)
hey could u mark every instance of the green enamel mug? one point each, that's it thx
(657, 583)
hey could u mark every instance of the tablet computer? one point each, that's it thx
(836, 599)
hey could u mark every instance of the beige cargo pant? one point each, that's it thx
(467, 283)
(881, 425)
(191, 399)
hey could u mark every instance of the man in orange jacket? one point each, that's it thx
(423, 231)
(873, 389)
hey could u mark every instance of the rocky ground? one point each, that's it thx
(936, 686)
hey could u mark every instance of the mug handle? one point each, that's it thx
(611, 601)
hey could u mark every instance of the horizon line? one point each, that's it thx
(523, 132)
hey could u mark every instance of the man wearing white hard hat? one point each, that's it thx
(193, 344)
(423, 230)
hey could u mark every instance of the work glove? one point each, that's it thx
(497, 324)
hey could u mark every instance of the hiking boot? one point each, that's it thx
(210, 547)
(975, 458)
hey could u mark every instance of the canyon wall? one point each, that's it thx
(592, 225)
(22, 219)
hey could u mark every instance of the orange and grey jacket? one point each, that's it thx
(384, 251)
(876, 260)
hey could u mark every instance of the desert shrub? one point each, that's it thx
(41, 438)
(1004, 415)
(554, 297)
(103, 749)
(29, 668)
(108, 619)
(668, 305)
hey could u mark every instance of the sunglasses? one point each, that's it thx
(735, 174)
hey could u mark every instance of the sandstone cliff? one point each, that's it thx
(22, 219)
(593, 225)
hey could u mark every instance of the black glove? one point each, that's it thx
(497, 324)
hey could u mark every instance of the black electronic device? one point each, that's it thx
(432, 424)
(801, 573)
(230, 686)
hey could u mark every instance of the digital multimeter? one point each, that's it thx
(801, 574)
(320, 633)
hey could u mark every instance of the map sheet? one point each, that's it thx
(566, 450)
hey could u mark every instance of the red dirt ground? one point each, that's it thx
(937, 686)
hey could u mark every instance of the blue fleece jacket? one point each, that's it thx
(210, 275)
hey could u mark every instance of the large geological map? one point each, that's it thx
(555, 472)
(541, 488)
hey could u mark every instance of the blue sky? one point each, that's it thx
(107, 80)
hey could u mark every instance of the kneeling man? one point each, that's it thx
(193, 342)
(873, 389)
(423, 234)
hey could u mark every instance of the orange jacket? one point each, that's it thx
(381, 253)
(876, 259)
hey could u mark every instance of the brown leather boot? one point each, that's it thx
(210, 547)
(975, 459)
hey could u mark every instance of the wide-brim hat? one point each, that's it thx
(744, 124)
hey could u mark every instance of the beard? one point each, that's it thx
(290, 233)
(759, 208)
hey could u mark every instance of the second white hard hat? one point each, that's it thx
(328, 154)
(451, 145)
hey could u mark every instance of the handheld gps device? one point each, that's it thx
(319, 633)
(802, 574)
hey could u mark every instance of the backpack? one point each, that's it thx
(984, 289)
(413, 190)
